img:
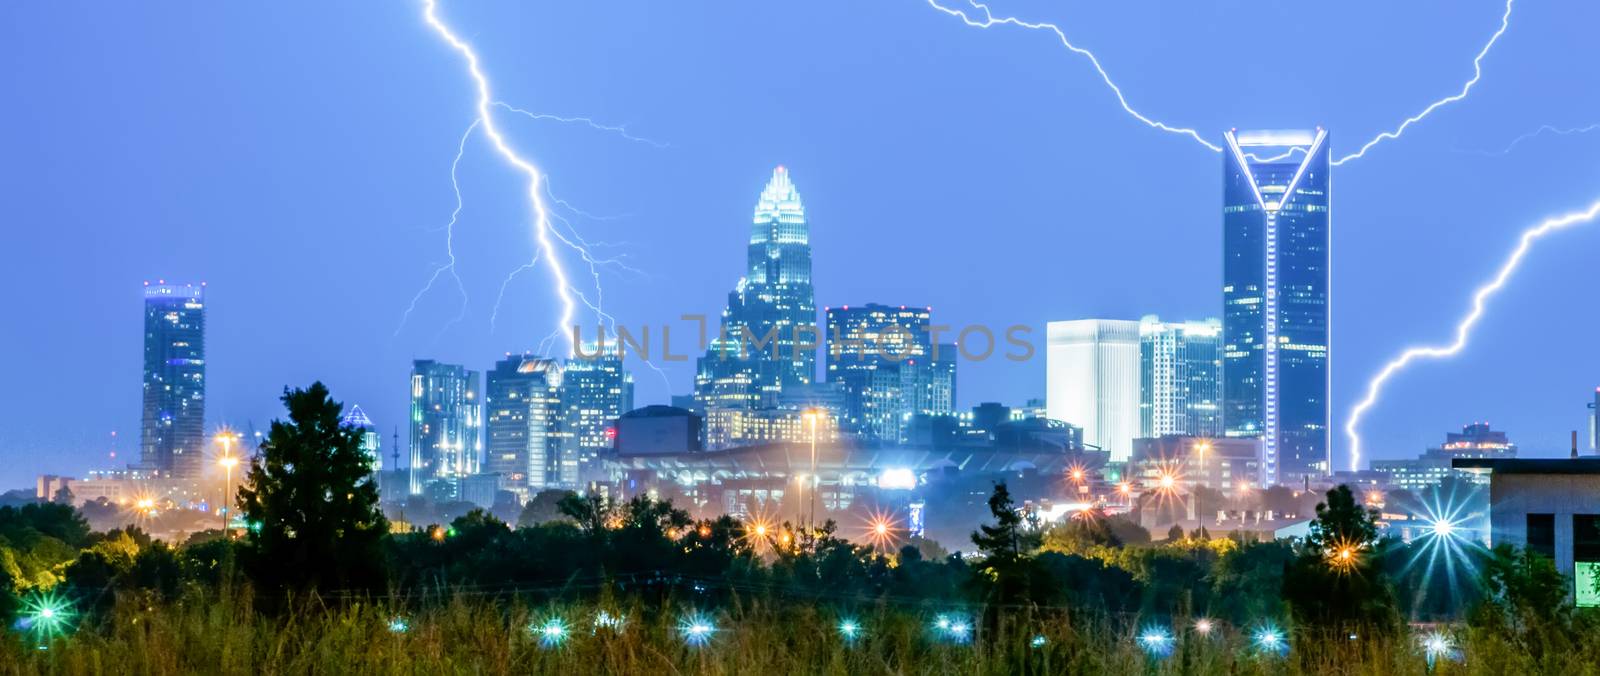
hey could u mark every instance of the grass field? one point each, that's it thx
(469, 634)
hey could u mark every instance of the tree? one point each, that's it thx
(1523, 592)
(1006, 548)
(545, 506)
(312, 502)
(1337, 580)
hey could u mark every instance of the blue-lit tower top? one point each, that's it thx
(1275, 297)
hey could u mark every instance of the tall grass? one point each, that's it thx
(466, 634)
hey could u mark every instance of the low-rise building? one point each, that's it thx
(1551, 507)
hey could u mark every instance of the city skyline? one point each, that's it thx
(1438, 235)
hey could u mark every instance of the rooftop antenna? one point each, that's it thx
(1574, 444)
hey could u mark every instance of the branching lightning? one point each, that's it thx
(547, 234)
(989, 20)
(486, 120)
(617, 129)
(449, 240)
(1480, 301)
(1558, 131)
(1477, 73)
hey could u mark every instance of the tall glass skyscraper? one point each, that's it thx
(768, 338)
(446, 424)
(1275, 298)
(526, 439)
(1180, 378)
(172, 436)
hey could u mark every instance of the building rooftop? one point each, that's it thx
(1584, 465)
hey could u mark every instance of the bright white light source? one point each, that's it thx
(897, 478)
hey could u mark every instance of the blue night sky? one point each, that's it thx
(296, 157)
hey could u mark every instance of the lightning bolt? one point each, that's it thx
(589, 122)
(449, 241)
(544, 232)
(1537, 132)
(1477, 73)
(989, 20)
(1480, 301)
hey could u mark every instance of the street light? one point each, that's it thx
(811, 419)
(227, 463)
(226, 437)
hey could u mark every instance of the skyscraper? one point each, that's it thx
(172, 424)
(1275, 298)
(768, 335)
(1180, 378)
(1092, 381)
(883, 358)
(595, 391)
(371, 442)
(524, 423)
(446, 424)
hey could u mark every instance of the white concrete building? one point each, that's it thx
(1092, 381)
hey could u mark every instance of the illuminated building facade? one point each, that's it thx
(172, 439)
(1275, 298)
(1227, 466)
(768, 335)
(730, 427)
(370, 440)
(1092, 381)
(883, 359)
(446, 424)
(526, 437)
(1477, 441)
(1180, 378)
(594, 393)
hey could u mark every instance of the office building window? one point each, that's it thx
(1586, 560)
(1542, 534)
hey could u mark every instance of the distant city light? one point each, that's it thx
(1443, 528)
(881, 530)
(696, 629)
(552, 632)
(1436, 645)
(1156, 641)
(399, 625)
(849, 629)
(47, 615)
(1203, 626)
(605, 620)
(1039, 641)
(1269, 639)
(953, 628)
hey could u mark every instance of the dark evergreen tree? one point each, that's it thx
(1337, 580)
(1006, 570)
(312, 502)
